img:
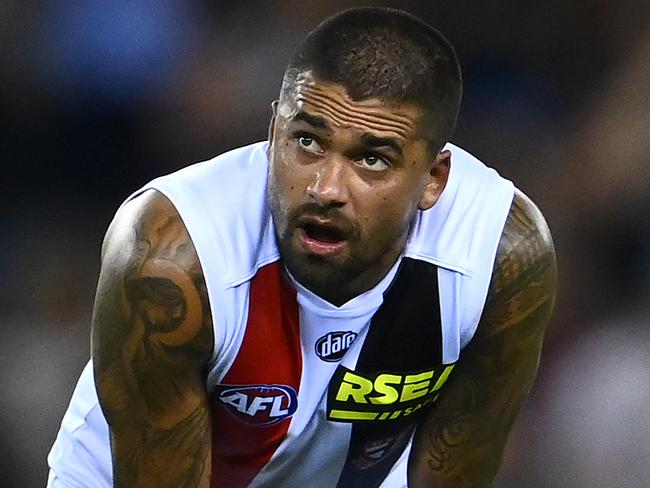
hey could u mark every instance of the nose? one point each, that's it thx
(329, 184)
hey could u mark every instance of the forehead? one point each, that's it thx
(332, 102)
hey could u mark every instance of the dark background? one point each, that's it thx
(99, 96)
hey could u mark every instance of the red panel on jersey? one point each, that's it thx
(252, 407)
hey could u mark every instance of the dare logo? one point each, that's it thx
(333, 345)
(258, 404)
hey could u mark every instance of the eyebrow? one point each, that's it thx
(368, 139)
(313, 120)
(376, 141)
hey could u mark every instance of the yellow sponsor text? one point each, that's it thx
(384, 396)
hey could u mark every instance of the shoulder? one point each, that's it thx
(150, 269)
(525, 243)
(149, 217)
(524, 274)
(147, 227)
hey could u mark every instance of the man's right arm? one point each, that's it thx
(151, 341)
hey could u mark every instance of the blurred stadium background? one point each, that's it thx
(99, 96)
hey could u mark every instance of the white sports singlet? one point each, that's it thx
(304, 393)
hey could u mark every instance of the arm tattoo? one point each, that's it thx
(461, 443)
(151, 341)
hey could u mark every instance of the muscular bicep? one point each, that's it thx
(152, 338)
(461, 442)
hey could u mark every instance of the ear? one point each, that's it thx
(274, 111)
(436, 180)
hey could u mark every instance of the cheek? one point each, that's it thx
(392, 203)
(387, 216)
(285, 179)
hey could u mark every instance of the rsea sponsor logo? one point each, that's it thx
(258, 404)
(354, 397)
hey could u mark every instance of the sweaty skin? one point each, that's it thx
(363, 167)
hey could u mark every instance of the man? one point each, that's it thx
(305, 311)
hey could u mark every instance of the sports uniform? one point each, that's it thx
(304, 393)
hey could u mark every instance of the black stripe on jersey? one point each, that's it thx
(396, 376)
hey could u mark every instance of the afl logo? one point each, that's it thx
(333, 345)
(258, 404)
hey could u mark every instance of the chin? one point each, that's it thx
(318, 274)
(313, 270)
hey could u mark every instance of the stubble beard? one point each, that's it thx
(334, 278)
(324, 276)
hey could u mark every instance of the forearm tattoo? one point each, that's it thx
(150, 336)
(462, 441)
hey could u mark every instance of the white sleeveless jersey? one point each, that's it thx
(304, 393)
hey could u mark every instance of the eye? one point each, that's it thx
(374, 163)
(308, 143)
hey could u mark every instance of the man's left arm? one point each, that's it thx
(460, 443)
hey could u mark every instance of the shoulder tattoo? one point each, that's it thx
(462, 440)
(152, 339)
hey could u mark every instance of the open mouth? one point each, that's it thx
(323, 233)
(321, 239)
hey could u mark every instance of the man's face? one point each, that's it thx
(346, 179)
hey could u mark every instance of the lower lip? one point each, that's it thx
(321, 248)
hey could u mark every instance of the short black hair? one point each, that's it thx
(389, 54)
